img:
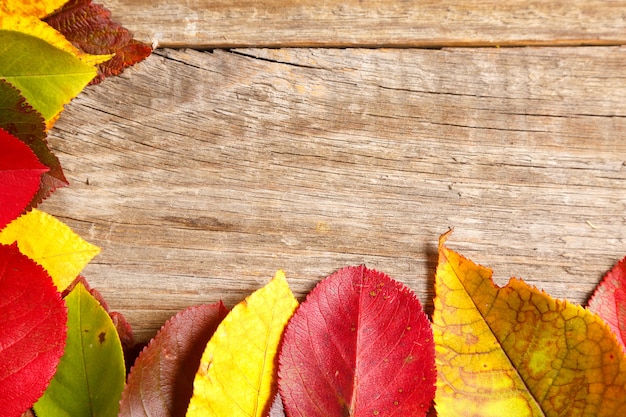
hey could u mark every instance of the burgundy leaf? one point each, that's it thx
(360, 345)
(89, 27)
(33, 321)
(161, 380)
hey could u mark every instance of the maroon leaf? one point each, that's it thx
(609, 301)
(360, 345)
(20, 173)
(89, 27)
(25, 123)
(32, 331)
(161, 380)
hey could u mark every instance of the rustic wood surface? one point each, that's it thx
(201, 173)
(372, 23)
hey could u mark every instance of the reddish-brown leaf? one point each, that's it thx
(32, 331)
(360, 345)
(25, 123)
(161, 380)
(20, 173)
(609, 301)
(89, 27)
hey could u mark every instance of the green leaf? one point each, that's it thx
(46, 76)
(90, 376)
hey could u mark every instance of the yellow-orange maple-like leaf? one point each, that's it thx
(50, 243)
(515, 351)
(237, 374)
(37, 8)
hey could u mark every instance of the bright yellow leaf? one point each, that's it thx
(31, 25)
(237, 374)
(50, 243)
(515, 351)
(37, 8)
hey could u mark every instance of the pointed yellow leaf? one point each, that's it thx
(31, 25)
(50, 243)
(515, 351)
(237, 374)
(37, 8)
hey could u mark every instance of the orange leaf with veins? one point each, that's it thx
(516, 351)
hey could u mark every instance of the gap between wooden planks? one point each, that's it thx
(372, 23)
(199, 174)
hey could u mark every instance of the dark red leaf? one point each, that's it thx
(161, 380)
(89, 27)
(25, 123)
(360, 345)
(32, 331)
(609, 301)
(20, 173)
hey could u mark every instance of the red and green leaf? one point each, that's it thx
(25, 123)
(32, 331)
(90, 28)
(20, 174)
(609, 301)
(161, 380)
(360, 345)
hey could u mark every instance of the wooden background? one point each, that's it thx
(202, 170)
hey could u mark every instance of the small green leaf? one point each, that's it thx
(46, 76)
(90, 376)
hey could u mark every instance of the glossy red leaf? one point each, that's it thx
(21, 120)
(32, 331)
(360, 345)
(609, 300)
(161, 380)
(89, 27)
(20, 173)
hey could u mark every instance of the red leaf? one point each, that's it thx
(277, 409)
(21, 120)
(20, 173)
(32, 331)
(609, 301)
(89, 27)
(360, 345)
(161, 381)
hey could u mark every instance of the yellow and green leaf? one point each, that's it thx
(47, 84)
(50, 243)
(237, 373)
(515, 350)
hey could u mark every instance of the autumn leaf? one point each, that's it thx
(32, 331)
(91, 374)
(20, 174)
(47, 84)
(360, 345)
(237, 373)
(90, 28)
(39, 9)
(161, 380)
(50, 243)
(517, 350)
(609, 300)
(25, 123)
(277, 409)
(33, 26)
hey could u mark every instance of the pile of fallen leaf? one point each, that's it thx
(359, 345)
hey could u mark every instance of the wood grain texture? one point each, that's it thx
(377, 23)
(199, 174)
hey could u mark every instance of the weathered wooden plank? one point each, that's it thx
(378, 23)
(199, 174)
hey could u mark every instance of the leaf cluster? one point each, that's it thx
(359, 345)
